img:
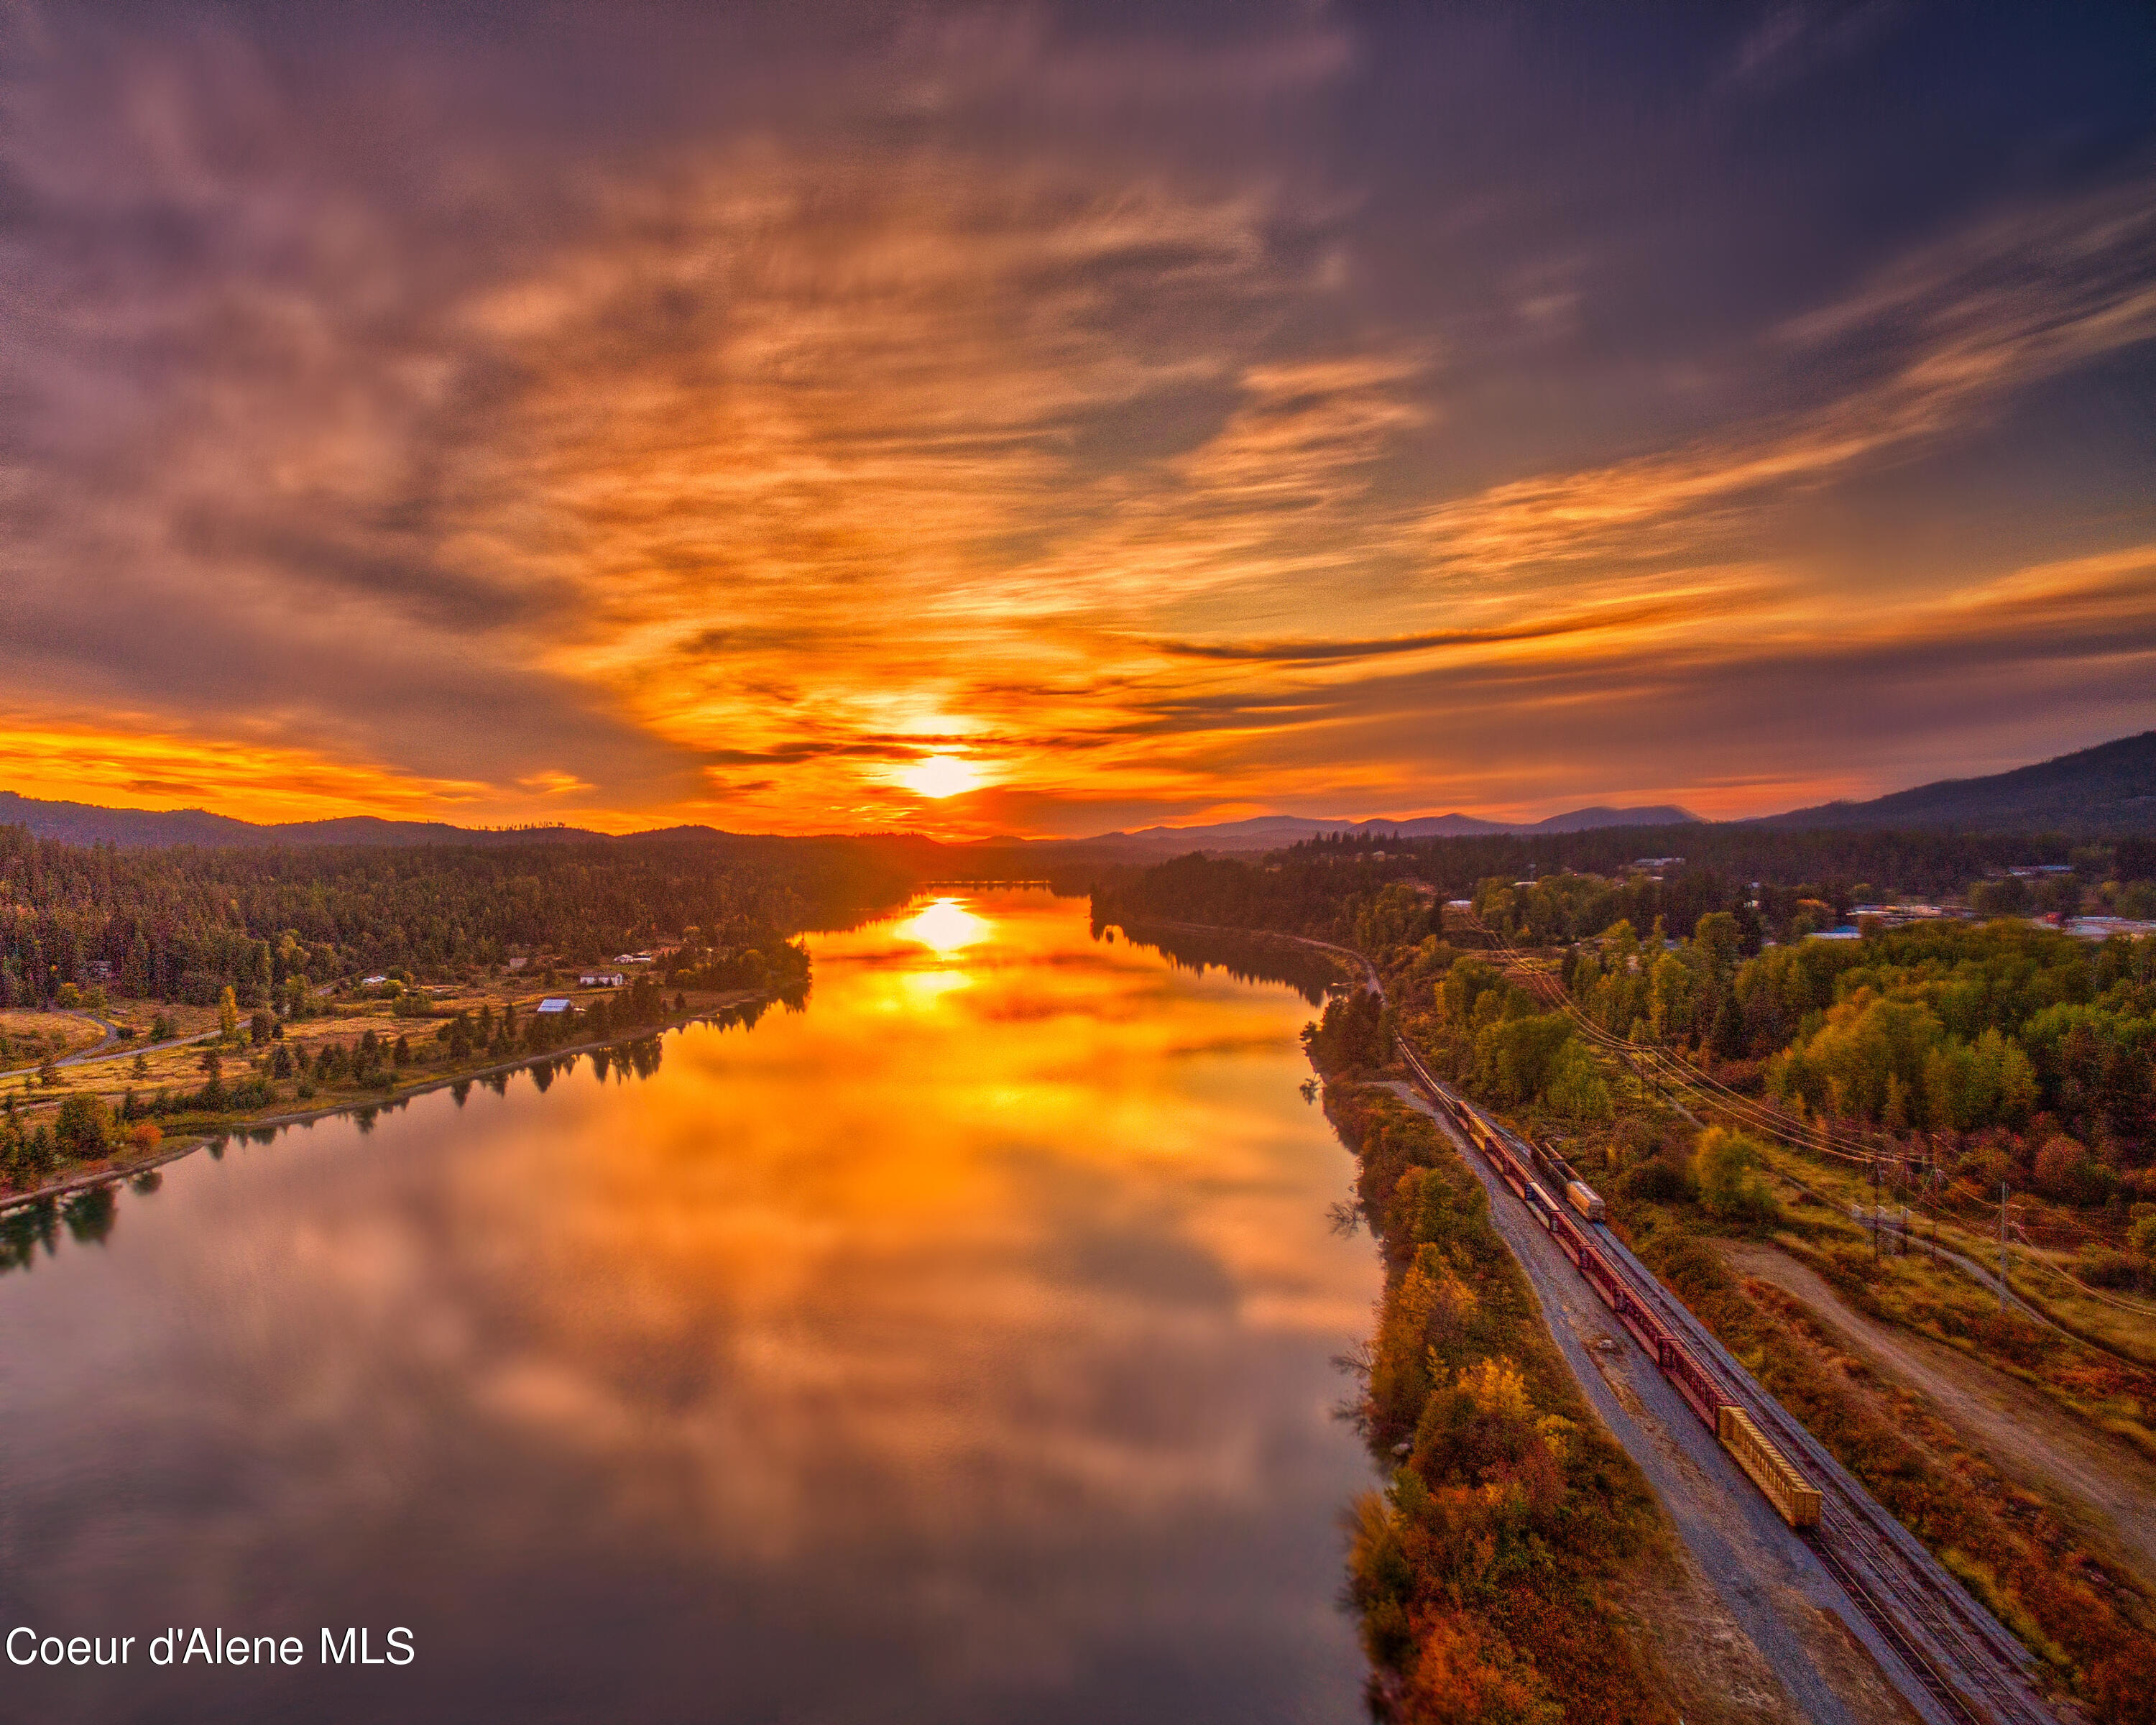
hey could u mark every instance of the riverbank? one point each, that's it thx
(395, 1095)
(1488, 1575)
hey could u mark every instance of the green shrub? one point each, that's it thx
(1731, 1187)
(84, 1129)
(1660, 1181)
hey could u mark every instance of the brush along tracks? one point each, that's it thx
(1958, 1666)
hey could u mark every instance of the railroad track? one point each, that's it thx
(1954, 1649)
(1970, 1669)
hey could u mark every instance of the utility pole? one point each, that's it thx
(1875, 1210)
(2002, 1249)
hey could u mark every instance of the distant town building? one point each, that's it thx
(2101, 928)
(600, 979)
(1656, 864)
(1899, 916)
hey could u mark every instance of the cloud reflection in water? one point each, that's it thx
(952, 1353)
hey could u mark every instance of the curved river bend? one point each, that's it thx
(956, 1350)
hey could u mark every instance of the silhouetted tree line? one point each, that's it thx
(184, 923)
(1310, 973)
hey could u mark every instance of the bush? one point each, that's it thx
(146, 1136)
(84, 1129)
(1731, 1186)
(2067, 1173)
(1659, 1181)
(2101, 1267)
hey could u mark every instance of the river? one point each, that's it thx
(959, 1349)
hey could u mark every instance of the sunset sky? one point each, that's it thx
(1055, 419)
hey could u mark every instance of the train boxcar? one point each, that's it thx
(1583, 1197)
(1692, 1383)
(1599, 1277)
(1568, 1242)
(1794, 1497)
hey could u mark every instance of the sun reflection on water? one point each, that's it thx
(945, 926)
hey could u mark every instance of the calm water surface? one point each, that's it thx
(955, 1350)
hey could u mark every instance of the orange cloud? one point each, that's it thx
(123, 766)
(737, 472)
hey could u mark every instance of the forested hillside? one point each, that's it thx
(183, 924)
(2109, 788)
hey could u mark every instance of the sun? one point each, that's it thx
(939, 776)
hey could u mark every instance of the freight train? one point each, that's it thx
(1794, 1498)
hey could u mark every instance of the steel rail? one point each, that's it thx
(1923, 1614)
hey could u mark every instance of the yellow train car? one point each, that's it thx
(1794, 1498)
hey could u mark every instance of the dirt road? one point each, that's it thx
(2015, 1426)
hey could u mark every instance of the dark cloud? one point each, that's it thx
(1184, 408)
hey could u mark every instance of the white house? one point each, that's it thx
(600, 979)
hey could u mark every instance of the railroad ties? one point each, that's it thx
(1945, 1644)
(1794, 1496)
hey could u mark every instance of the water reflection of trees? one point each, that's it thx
(88, 1216)
(1248, 958)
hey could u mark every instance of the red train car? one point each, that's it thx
(1692, 1383)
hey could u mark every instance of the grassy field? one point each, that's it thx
(164, 1079)
(33, 1036)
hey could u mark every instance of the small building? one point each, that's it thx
(518, 960)
(631, 958)
(372, 982)
(600, 979)
(556, 1006)
(2101, 928)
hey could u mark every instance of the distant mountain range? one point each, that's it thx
(1269, 832)
(2107, 789)
(87, 823)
